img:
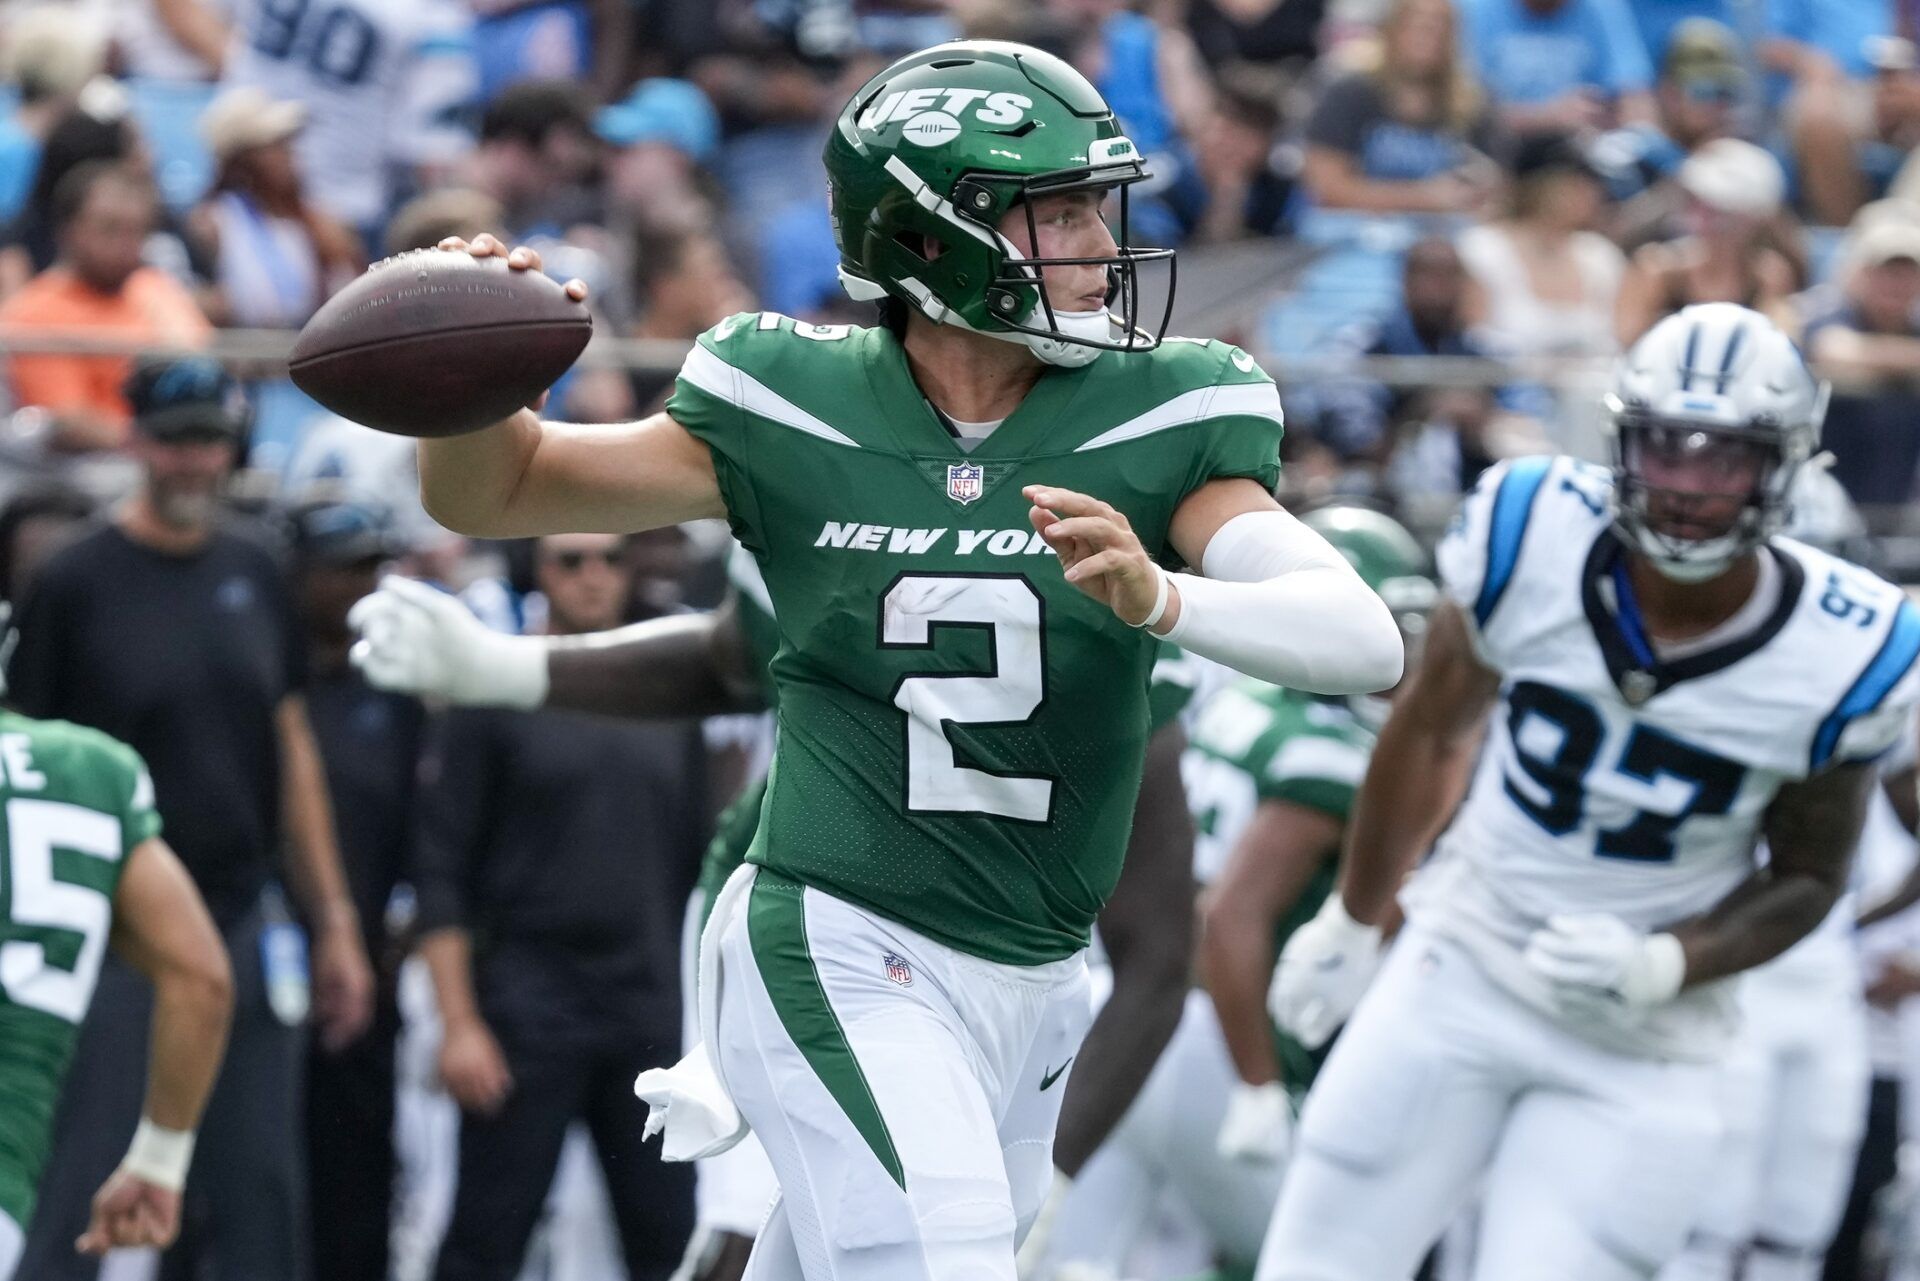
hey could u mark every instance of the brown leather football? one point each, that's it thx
(438, 343)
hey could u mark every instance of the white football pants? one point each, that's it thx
(1795, 1100)
(1594, 1162)
(906, 1093)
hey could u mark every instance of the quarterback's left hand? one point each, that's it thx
(1258, 1125)
(1596, 959)
(1098, 549)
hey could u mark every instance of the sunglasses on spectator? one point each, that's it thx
(1708, 91)
(570, 562)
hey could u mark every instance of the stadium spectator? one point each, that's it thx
(1874, 334)
(555, 852)
(684, 284)
(1545, 281)
(537, 156)
(276, 256)
(386, 84)
(1827, 54)
(97, 128)
(36, 523)
(98, 287)
(1734, 192)
(1358, 419)
(1557, 66)
(47, 56)
(172, 630)
(370, 744)
(1702, 82)
(660, 135)
(1409, 133)
(1245, 195)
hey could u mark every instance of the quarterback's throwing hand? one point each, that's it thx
(1098, 549)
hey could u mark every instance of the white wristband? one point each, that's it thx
(1159, 601)
(159, 1156)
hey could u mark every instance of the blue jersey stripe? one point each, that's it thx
(1512, 507)
(1897, 654)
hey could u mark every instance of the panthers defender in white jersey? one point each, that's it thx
(385, 83)
(1672, 682)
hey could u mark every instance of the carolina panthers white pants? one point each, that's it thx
(1594, 1163)
(732, 1192)
(1165, 1146)
(1795, 1101)
(905, 1092)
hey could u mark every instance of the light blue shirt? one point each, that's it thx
(1526, 59)
(1840, 27)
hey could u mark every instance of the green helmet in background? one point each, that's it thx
(1390, 560)
(938, 148)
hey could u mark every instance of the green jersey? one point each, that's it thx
(1175, 676)
(960, 730)
(1254, 742)
(76, 804)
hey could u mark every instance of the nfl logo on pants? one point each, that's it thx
(897, 969)
(964, 481)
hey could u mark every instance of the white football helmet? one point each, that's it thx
(1716, 381)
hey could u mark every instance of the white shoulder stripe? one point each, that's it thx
(1309, 756)
(735, 386)
(1259, 400)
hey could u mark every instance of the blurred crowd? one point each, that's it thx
(1434, 220)
(1528, 181)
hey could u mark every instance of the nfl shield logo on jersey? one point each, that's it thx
(897, 965)
(964, 481)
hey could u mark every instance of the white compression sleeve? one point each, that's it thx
(1279, 603)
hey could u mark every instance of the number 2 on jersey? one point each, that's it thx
(1009, 609)
(55, 971)
(1557, 798)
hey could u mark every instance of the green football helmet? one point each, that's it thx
(937, 149)
(1390, 560)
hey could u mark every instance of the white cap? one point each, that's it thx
(242, 119)
(1735, 177)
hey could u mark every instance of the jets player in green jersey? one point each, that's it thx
(1270, 775)
(960, 516)
(421, 641)
(82, 867)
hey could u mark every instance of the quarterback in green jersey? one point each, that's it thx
(82, 867)
(960, 516)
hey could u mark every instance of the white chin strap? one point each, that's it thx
(1095, 326)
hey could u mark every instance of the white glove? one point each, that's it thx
(1595, 961)
(1031, 1255)
(1323, 970)
(1258, 1126)
(417, 639)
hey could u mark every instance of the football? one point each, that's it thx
(438, 343)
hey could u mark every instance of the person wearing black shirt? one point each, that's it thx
(556, 851)
(370, 742)
(174, 633)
